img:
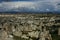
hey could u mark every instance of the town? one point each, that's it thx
(29, 26)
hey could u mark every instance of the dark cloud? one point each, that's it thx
(20, 0)
(27, 6)
(33, 0)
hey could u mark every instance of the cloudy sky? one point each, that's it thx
(29, 5)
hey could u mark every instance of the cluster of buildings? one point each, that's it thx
(28, 27)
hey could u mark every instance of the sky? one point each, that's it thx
(29, 5)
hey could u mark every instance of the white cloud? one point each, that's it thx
(27, 6)
(50, 0)
(17, 5)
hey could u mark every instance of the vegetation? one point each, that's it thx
(55, 37)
